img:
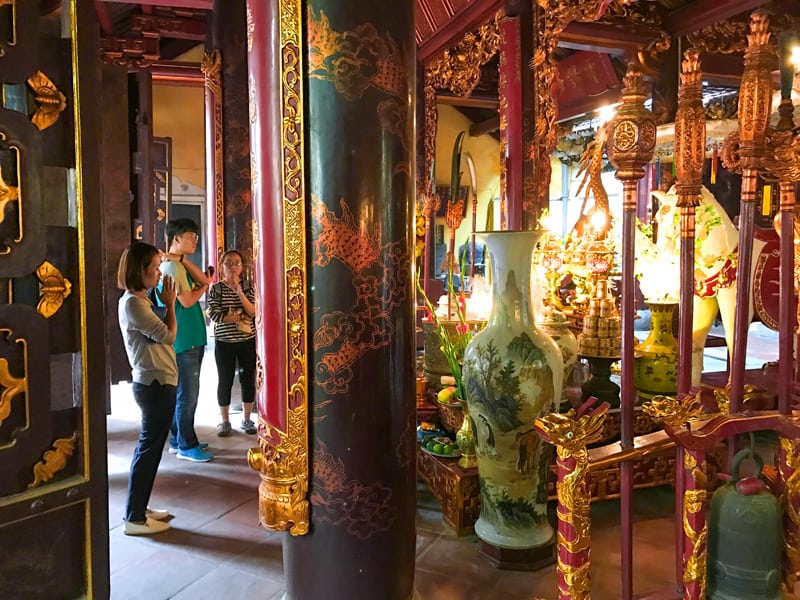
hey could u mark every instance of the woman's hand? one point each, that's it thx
(167, 294)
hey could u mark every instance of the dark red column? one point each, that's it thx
(334, 149)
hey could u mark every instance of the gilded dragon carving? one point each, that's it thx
(571, 435)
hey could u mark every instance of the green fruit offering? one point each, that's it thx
(438, 448)
(448, 450)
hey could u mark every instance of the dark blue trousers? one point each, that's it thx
(157, 403)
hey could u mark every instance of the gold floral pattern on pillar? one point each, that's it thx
(49, 100)
(53, 289)
(379, 272)
(355, 61)
(211, 66)
(789, 466)
(363, 509)
(282, 460)
(54, 460)
(694, 568)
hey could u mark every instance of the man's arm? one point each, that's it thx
(197, 274)
(187, 296)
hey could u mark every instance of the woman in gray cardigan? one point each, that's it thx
(148, 343)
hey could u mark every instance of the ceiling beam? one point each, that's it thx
(172, 27)
(701, 13)
(606, 38)
(202, 4)
(101, 10)
(469, 101)
(488, 126)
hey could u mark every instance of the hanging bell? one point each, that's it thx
(745, 538)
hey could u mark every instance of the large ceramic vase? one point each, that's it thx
(656, 363)
(513, 374)
(554, 324)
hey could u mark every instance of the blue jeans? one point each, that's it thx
(183, 435)
(157, 403)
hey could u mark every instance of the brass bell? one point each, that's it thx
(745, 538)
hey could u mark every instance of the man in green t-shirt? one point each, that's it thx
(190, 284)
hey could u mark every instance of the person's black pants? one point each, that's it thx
(227, 355)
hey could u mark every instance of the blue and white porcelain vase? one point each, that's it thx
(513, 374)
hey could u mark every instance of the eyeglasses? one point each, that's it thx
(191, 236)
(232, 264)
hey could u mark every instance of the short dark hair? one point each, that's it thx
(227, 253)
(179, 227)
(132, 264)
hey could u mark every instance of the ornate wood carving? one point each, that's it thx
(22, 242)
(457, 70)
(215, 176)
(136, 52)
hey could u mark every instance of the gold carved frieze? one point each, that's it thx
(54, 460)
(553, 16)
(458, 70)
(53, 289)
(49, 100)
(725, 37)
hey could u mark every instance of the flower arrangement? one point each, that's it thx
(657, 266)
(452, 344)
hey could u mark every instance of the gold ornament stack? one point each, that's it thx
(602, 326)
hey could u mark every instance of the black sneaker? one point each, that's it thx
(248, 427)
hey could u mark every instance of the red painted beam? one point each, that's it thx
(605, 37)
(468, 19)
(201, 4)
(702, 13)
(103, 18)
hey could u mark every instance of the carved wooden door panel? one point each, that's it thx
(53, 384)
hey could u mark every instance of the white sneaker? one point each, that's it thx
(149, 527)
(157, 514)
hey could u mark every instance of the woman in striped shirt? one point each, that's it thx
(231, 308)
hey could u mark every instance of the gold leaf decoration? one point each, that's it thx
(53, 461)
(49, 100)
(53, 289)
(11, 387)
(672, 411)
(8, 193)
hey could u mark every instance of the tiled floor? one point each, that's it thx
(217, 550)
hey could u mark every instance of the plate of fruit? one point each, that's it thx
(442, 446)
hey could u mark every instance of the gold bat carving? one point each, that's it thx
(53, 289)
(53, 461)
(49, 100)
